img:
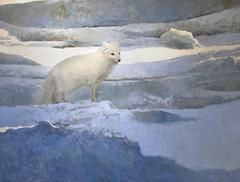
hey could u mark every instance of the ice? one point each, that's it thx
(64, 112)
(195, 138)
(54, 153)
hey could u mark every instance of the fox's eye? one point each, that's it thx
(112, 54)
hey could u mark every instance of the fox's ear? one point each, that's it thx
(116, 42)
(105, 44)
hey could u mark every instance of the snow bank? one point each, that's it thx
(180, 39)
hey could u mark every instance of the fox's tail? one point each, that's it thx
(47, 92)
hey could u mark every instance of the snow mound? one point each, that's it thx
(180, 39)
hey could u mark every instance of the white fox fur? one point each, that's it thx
(79, 71)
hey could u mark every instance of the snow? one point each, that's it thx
(205, 141)
(17, 1)
(45, 55)
(51, 56)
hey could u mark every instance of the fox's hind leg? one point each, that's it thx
(59, 96)
(93, 92)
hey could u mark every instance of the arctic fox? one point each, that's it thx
(79, 71)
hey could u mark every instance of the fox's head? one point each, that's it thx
(112, 51)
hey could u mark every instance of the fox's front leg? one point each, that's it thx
(93, 90)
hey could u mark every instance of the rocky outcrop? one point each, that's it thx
(133, 34)
(180, 39)
(5, 36)
(184, 82)
(19, 78)
(82, 13)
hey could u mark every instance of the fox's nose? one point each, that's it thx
(119, 60)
